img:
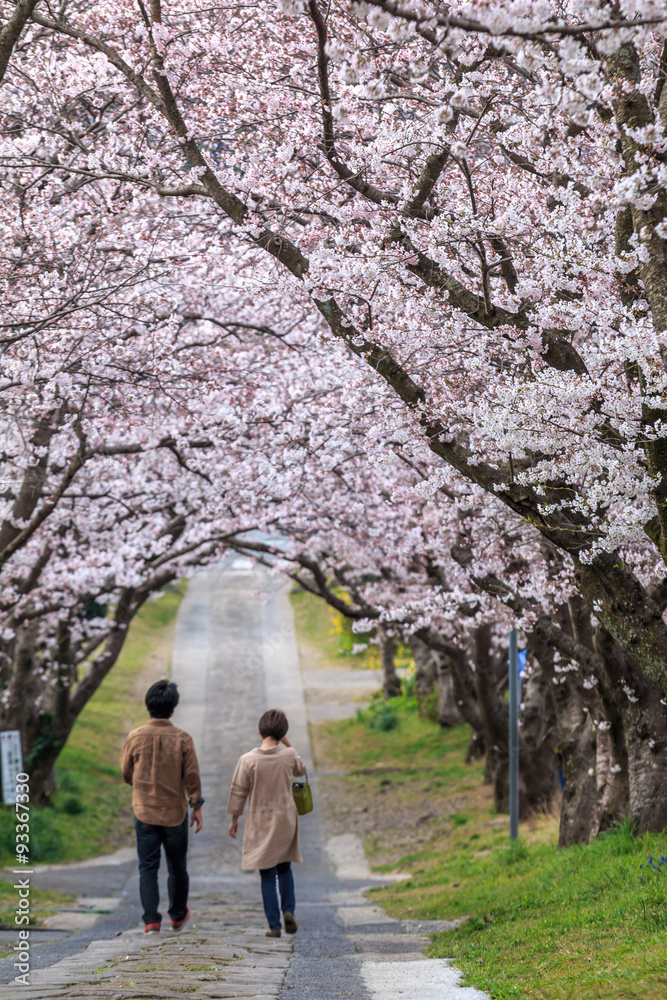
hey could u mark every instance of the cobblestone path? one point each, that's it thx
(223, 953)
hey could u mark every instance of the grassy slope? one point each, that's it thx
(42, 903)
(91, 807)
(326, 630)
(586, 923)
(320, 626)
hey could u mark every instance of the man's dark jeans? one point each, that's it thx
(282, 872)
(150, 840)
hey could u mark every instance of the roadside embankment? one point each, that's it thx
(536, 922)
(90, 809)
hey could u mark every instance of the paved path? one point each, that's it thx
(235, 655)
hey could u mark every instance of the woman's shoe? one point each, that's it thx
(275, 933)
(291, 926)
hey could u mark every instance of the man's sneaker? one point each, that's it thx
(275, 933)
(152, 928)
(176, 925)
(291, 926)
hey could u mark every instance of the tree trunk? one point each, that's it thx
(575, 748)
(426, 672)
(629, 728)
(43, 701)
(454, 662)
(37, 712)
(627, 612)
(577, 752)
(23, 692)
(391, 682)
(537, 736)
(448, 712)
(637, 725)
(11, 31)
(611, 775)
(41, 760)
(55, 723)
(434, 681)
(646, 737)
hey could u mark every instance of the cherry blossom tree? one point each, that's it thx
(388, 556)
(117, 479)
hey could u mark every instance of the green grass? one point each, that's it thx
(582, 923)
(42, 904)
(414, 749)
(90, 811)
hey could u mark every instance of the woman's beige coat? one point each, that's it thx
(264, 779)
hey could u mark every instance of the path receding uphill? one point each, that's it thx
(235, 655)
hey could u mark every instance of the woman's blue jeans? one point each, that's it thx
(281, 873)
(150, 841)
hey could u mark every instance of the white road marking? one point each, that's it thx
(426, 979)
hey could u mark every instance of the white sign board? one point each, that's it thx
(12, 764)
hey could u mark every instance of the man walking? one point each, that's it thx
(160, 763)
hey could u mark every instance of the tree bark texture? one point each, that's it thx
(391, 682)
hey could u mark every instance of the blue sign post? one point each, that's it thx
(515, 696)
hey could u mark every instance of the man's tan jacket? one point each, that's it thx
(160, 763)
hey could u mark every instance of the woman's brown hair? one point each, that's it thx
(273, 723)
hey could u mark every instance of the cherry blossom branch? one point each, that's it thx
(88, 174)
(429, 177)
(129, 603)
(424, 21)
(567, 645)
(321, 586)
(12, 538)
(559, 351)
(351, 177)
(414, 208)
(233, 327)
(632, 111)
(136, 448)
(11, 31)
(65, 28)
(556, 179)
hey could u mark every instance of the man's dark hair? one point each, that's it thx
(161, 699)
(273, 723)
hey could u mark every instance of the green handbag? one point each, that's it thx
(303, 796)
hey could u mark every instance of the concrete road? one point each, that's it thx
(234, 656)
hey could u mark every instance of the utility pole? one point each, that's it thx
(514, 735)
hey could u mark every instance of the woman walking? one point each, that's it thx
(271, 839)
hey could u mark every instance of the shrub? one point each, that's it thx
(428, 707)
(72, 805)
(380, 715)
